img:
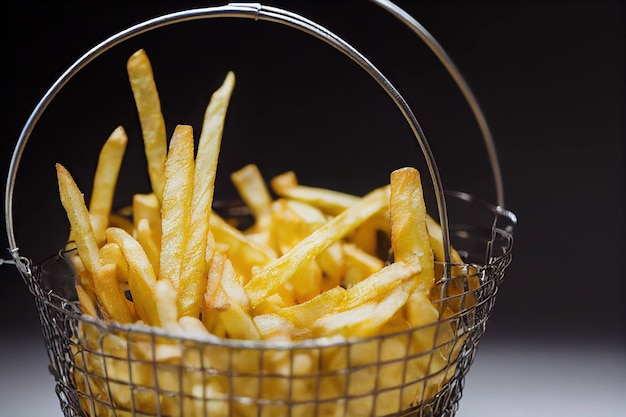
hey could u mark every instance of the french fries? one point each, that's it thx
(309, 267)
(152, 122)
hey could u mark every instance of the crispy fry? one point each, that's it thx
(409, 235)
(87, 303)
(166, 303)
(194, 267)
(147, 206)
(359, 264)
(141, 277)
(273, 275)
(151, 119)
(105, 180)
(74, 203)
(245, 253)
(435, 238)
(364, 319)
(147, 240)
(333, 202)
(302, 315)
(110, 253)
(252, 189)
(176, 206)
(110, 295)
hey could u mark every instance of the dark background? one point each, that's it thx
(549, 76)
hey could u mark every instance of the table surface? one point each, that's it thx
(506, 380)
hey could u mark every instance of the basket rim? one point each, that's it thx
(72, 310)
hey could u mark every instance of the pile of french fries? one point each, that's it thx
(308, 268)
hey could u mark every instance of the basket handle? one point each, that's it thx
(257, 11)
(461, 83)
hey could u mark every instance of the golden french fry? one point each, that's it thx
(110, 295)
(333, 266)
(151, 119)
(238, 323)
(272, 276)
(435, 237)
(292, 221)
(245, 253)
(166, 304)
(87, 303)
(276, 327)
(359, 264)
(232, 285)
(376, 286)
(333, 202)
(251, 187)
(176, 203)
(84, 278)
(304, 314)
(105, 179)
(145, 237)
(141, 277)
(147, 206)
(74, 204)
(110, 253)
(367, 318)
(409, 235)
(121, 222)
(214, 297)
(194, 267)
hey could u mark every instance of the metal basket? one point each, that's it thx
(108, 369)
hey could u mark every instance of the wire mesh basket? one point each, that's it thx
(103, 368)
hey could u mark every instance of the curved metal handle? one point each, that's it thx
(254, 11)
(461, 83)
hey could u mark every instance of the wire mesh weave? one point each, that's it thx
(105, 369)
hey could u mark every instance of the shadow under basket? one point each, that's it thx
(104, 368)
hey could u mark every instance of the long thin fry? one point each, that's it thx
(147, 206)
(409, 235)
(175, 212)
(244, 252)
(110, 295)
(331, 201)
(105, 179)
(273, 275)
(252, 189)
(194, 267)
(110, 253)
(74, 204)
(151, 119)
(141, 277)
(147, 240)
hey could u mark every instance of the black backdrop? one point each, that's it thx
(548, 75)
